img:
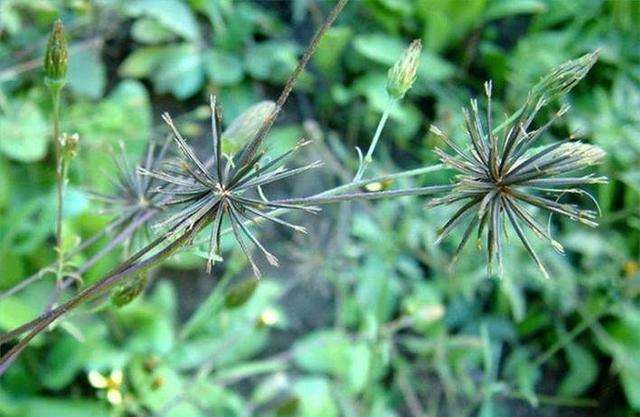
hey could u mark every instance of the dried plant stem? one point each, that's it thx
(364, 162)
(249, 152)
(68, 255)
(349, 186)
(116, 276)
(324, 197)
(329, 199)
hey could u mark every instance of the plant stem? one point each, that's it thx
(253, 146)
(374, 142)
(323, 195)
(116, 276)
(60, 181)
(68, 255)
(434, 189)
(566, 339)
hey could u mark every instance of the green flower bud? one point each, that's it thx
(246, 126)
(56, 58)
(240, 293)
(127, 292)
(401, 76)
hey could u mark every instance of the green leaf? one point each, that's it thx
(315, 398)
(24, 133)
(6, 182)
(181, 72)
(630, 379)
(87, 73)
(623, 344)
(245, 127)
(271, 60)
(217, 399)
(184, 409)
(333, 352)
(149, 394)
(62, 363)
(223, 68)
(143, 61)
(504, 8)
(175, 15)
(49, 407)
(448, 21)
(525, 374)
(12, 268)
(14, 312)
(330, 49)
(379, 47)
(385, 49)
(150, 31)
(239, 294)
(322, 351)
(583, 370)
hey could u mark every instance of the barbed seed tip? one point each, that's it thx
(436, 130)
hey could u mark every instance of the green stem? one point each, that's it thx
(566, 339)
(60, 180)
(508, 121)
(374, 142)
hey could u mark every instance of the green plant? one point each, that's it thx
(365, 315)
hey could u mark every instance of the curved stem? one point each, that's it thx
(374, 142)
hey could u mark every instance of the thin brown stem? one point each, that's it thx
(116, 276)
(253, 147)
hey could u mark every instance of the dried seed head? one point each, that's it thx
(246, 126)
(56, 57)
(500, 176)
(401, 76)
(564, 77)
(582, 154)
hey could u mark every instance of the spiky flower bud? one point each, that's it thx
(564, 77)
(56, 58)
(401, 76)
(246, 126)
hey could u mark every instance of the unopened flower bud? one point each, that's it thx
(56, 58)
(401, 76)
(246, 126)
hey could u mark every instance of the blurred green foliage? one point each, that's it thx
(366, 318)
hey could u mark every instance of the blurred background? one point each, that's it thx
(364, 317)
